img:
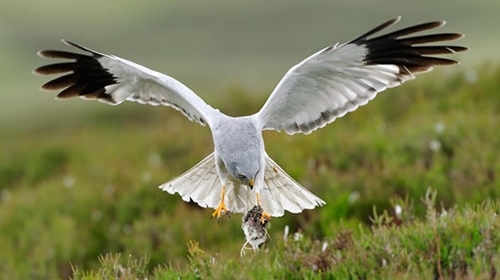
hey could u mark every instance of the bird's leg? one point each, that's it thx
(265, 216)
(222, 207)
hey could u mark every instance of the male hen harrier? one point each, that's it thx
(239, 174)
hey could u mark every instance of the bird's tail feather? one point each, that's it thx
(279, 193)
(200, 184)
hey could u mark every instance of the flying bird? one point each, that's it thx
(239, 174)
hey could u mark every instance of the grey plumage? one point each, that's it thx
(323, 87)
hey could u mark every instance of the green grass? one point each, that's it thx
(72, 193)
(456, 244)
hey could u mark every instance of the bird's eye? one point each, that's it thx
(241, 176)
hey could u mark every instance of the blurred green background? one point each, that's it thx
(209, 45)
(78, 179)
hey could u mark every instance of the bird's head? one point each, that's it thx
(246, 173)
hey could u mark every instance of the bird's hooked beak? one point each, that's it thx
(250, 183)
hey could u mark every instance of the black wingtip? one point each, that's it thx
(378, 29)
(71, 44)
(84, 76)
(80, 47)
(412, 54)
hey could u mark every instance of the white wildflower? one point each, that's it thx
(68, 181)
(353, 197)
(439, 127)
(435, 145)
(154, 160)
(398, 210)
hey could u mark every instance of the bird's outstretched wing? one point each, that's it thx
(340, 78)
(112, 80)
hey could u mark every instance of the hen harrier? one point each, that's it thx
(239, 174)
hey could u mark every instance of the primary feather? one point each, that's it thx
(112, 80)
(340, 78)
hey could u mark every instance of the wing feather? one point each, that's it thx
(340, 78)
(112, 80)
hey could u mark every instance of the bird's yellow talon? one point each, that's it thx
(264, 218)
(221, 208)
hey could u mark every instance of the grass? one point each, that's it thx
(80, 200)
(454, 244)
